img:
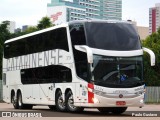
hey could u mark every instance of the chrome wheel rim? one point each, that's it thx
(13, 100)
(71, 102)
(20, 100)
(61, 102)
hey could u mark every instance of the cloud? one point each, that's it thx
(23, 11)
(137, 10)
(30, 11)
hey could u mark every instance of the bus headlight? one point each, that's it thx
(95, 100)
(141, 101)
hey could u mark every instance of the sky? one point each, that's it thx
(29, 12)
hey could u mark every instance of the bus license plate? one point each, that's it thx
(120, 103)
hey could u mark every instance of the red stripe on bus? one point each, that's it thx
(90, 94)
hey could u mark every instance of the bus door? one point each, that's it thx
(6, 88)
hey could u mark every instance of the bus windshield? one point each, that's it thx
(117, 72)
(113, 71)
(112, 36)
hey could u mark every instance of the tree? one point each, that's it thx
(45, 22)
(152, 76)
(31, 29)
(4, 35)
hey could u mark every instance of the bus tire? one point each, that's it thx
(70, 103)
(20, 103)
(104, 110)
(118, 110)
(14, 101)
(60, 104)
(19, 100)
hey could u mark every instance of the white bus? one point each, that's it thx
(76, 65)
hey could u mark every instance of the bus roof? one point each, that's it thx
(65, 25)
(37, 32)
(100, 21)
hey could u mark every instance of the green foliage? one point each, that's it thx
(31, 29)
(17, 34)
(27, 31)
(152, 74)
(4, 35)
(44, 23)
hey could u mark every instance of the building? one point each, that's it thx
(112, 9)
(11, 26)
(17, 30)
(154, 18)
(67, 10)
(142, 31)
(24, 28)
(61, 11)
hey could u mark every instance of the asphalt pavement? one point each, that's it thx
(7, 111)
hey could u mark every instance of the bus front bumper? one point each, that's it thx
(100, 101)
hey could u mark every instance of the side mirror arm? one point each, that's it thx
(86, 49)
(152, 55)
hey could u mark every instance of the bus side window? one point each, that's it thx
(50, 40)
(65, 75)
(61, 39)
(48, 74)
(6, 50)
(78, 38)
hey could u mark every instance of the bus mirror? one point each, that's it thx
(86, 49)
(152, 55)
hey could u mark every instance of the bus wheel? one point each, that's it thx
(14, 101)
(70, 103)
(19, 100)
(60, 104)
(20, 103)
(118, 110)
(104, 110)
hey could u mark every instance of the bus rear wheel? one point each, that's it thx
(60, 104)
(20, 103)
(14, 101)
(70, 103)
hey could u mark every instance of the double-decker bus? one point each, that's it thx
(79, 64)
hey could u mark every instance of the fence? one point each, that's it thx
(152, 95)
(1, 90)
